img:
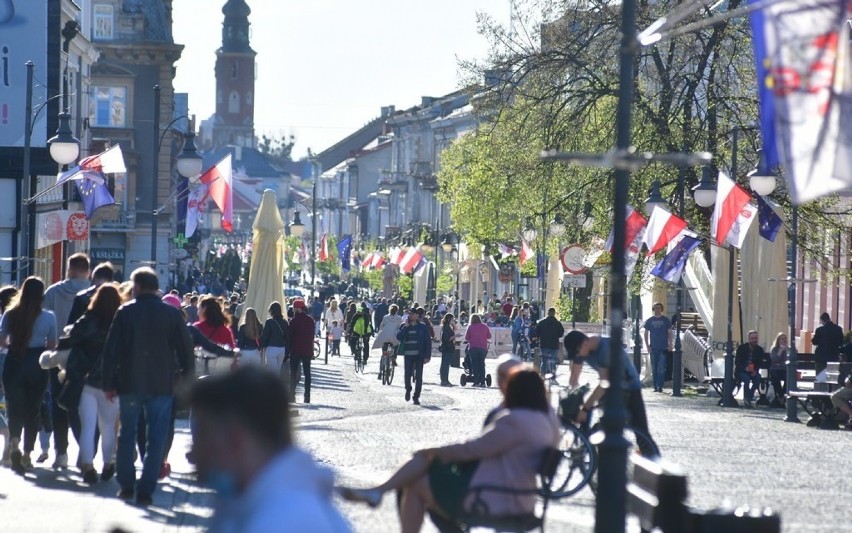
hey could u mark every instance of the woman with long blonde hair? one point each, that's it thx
(248, 338)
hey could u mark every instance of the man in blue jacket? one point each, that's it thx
(415, 344)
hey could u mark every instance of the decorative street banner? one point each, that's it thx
(802, 52)
(58, 226)
(23, 37)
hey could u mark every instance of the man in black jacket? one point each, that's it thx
(828, 338)
(549, 332)
(147, 346)
(102, 273)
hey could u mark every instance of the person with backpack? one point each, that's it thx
(360, 326)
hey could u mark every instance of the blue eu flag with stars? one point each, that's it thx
(770, 222)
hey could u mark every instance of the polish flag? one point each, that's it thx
(635, 223)
(221, 190)
(526, 252)
(730, 210)
(323, 249)
(396, 256)
(410, 260)
(662, 228)
(367, 262)
(378, 261)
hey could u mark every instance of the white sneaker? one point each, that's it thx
(61, 462)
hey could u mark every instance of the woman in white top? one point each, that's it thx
(331, 314)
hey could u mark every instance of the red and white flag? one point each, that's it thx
(731, 215)
(395, 256)
(323, 248)
(634, 224)
(526, 252)
(195, 207)
(662, 228)
(410, 260)
(378, 261)
(367, 262)
(219, 179)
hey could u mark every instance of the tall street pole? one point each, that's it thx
(155, 175)
(792, 359)
(677, 356)
(314, 228)
(610, 510)
(728, 385)
(28, 224)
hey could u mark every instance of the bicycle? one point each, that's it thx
(386, 364)
(357, 349)
(576, 444)
(317, 350)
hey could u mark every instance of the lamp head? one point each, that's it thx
(655, 198)
(760, 180)
(64, 147)
(557, 226)
(189, 161)
(705, 192)
(297, 229)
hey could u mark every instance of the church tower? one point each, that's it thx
(235, 73)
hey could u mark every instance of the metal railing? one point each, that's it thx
(697, 276)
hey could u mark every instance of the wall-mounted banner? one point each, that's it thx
(57, 226)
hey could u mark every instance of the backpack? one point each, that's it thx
(362, 326)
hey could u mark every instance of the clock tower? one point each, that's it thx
(235, 74)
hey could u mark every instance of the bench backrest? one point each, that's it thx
(657, 496)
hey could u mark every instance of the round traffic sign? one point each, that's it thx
(572, 258)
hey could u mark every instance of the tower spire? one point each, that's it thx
(235, 28)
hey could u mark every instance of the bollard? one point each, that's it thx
(677, 371)
(326, 349)
(792, 409)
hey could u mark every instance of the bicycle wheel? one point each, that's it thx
(389, 371)
(317, 349)
(577, 467)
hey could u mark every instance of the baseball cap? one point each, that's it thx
(299, 304)
(172, 300)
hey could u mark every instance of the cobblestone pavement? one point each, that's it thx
(364, 430)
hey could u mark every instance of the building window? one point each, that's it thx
(103, 23)
(110, 107)
(248, 98)
(219, 96)
(234, 70)
(234, 102)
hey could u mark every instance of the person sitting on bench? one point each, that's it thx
(749, 360)
(440, 479)
(841, 398)
(778, 368)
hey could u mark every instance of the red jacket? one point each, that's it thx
(301, 332)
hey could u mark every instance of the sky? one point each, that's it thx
(326, 67)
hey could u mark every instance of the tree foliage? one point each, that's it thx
(556, 72)
(279, 147)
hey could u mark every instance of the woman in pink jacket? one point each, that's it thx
(507, 454)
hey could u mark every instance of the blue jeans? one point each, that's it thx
(516, 339)
(548, 360)
(658, 367)
(477, 364)
(158, 415)
(750, 384)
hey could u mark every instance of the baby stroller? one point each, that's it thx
(467, 377)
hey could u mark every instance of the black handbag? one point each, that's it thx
(72, 386)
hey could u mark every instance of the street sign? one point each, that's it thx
(572, 258)
(577, 281)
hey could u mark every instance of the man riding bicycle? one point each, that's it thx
(595, 351)
(361, 327)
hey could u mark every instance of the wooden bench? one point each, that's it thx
(479, 515)
(657, 497)
(816, 401)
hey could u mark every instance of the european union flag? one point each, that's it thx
(770, 222)
(94, 195)
(344, 250)
(671, 267)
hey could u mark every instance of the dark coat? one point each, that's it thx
(301, 333)
(86, 340)
(147, 347)
(549, 332)
(828, 339)
(758, 357)
(424, 340)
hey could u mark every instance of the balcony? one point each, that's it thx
(421, 169)
(113, 219)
